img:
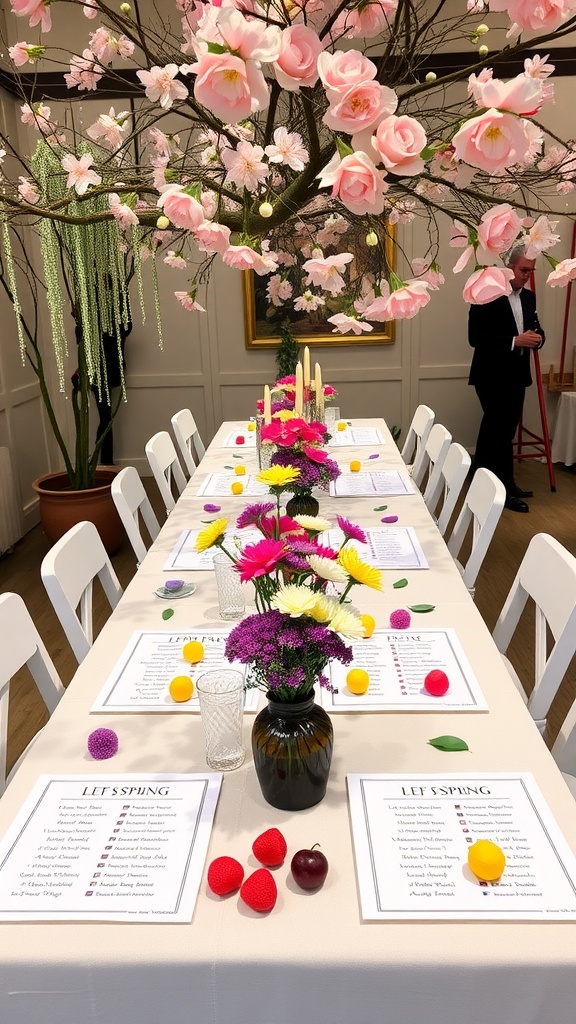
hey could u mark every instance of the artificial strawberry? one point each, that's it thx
(270, 848)
(225, 875)
(259, 891)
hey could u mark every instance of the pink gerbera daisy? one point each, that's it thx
(350, 530)
(261, 558)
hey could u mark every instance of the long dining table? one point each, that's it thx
(312, 959)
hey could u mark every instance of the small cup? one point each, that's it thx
(221, 696)
(230, 594)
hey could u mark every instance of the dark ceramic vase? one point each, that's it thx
(292, 748)
(302, 505)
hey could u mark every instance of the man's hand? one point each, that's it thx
(529, 339)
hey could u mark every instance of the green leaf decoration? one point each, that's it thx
(381, 508)
(421, 607)
(228, 467)
(237, 456)
(449, 743)
(400, 584)
(167, 613)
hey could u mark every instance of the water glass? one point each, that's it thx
(221, 696)
(332, 415)
(230, 592)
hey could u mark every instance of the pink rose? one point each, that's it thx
(183, 210)
(487, 284)
(406, 302)
(228, 86)
(399, 142)
(341, 70)
(491, 141)
(297, 64)
(360, 107)
(563, 272)
(242, 257)
(366, 20)
(521, 95)
(356, 181)
(544, 16)
(498, 228)
(212, 237)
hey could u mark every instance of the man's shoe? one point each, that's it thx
(519, 493)
(516, 504)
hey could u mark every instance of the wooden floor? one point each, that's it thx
(549, 513)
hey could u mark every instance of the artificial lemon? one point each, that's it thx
(357, 680)
(193, 652)
(236, 487)
(355, 466)
(369, 625)
(486, 860)
(251, 426)
(341, 425)
(240, 470)
(181, 688)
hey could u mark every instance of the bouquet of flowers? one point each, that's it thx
(300, 626)
(284, 391)
(301, 445)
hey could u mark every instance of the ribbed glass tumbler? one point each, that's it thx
(221, 696)
(230, 593)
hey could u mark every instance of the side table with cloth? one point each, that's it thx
(312, 959)
(564, 441)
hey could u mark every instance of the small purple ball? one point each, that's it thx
(102, 743)
(400, 619)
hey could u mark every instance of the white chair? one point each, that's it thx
(435, 452)
(131, 502)
(564, 750)
(187, 436)
(22, 645)
(163, 460)
(68, 572)
(448, 484)
(547, 575)
(417, 435)
(482, 509)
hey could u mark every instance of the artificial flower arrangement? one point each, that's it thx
(300, 626)
(301, 445)
(284, 394)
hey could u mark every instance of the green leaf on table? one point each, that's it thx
(381, 508)
(448, 743)
(228, 467)
(421, 607)
(167, 613)
(400, 584)
(237, 456)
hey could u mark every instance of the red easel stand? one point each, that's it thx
(527, 439)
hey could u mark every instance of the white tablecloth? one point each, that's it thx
(564, 441)
(312, 959)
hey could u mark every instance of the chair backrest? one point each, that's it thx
(547, 575)
(131, 501)
(417, 435)
(165, 466)
(448, 484)
(21, 645)
(187, 435)
(435, 452)
(482, 508)
(564, 747)
(68, 572)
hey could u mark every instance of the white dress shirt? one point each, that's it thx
(516, 304)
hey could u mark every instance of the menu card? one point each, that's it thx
(140, 678)
(411, 839)
(397, 663)
(185, 556)
(249, 439)
(108, 848)
(396, 547)
(218, 485)
(355, 436)
(387, 482)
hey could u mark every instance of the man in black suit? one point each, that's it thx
(502, 333)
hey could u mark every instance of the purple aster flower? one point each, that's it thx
(350, 530)
(252, 513)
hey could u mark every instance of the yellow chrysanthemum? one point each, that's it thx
(278, 476)
(360, 571)
(206, 538)
(294, 600)
(327, 569)
(313, 524)
(338, 617)
(284, 414)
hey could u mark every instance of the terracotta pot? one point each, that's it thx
(61, 507)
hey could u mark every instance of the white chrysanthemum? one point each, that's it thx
(327, 569)
(313, 524)
(294, 600)
(347, 623)
(324, 608)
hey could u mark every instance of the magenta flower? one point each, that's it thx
(316, 454)
(350, 530)
(261, 558)
(252, 514)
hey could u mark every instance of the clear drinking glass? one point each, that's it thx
(332, 415)
(221, 696)
(230, 592)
